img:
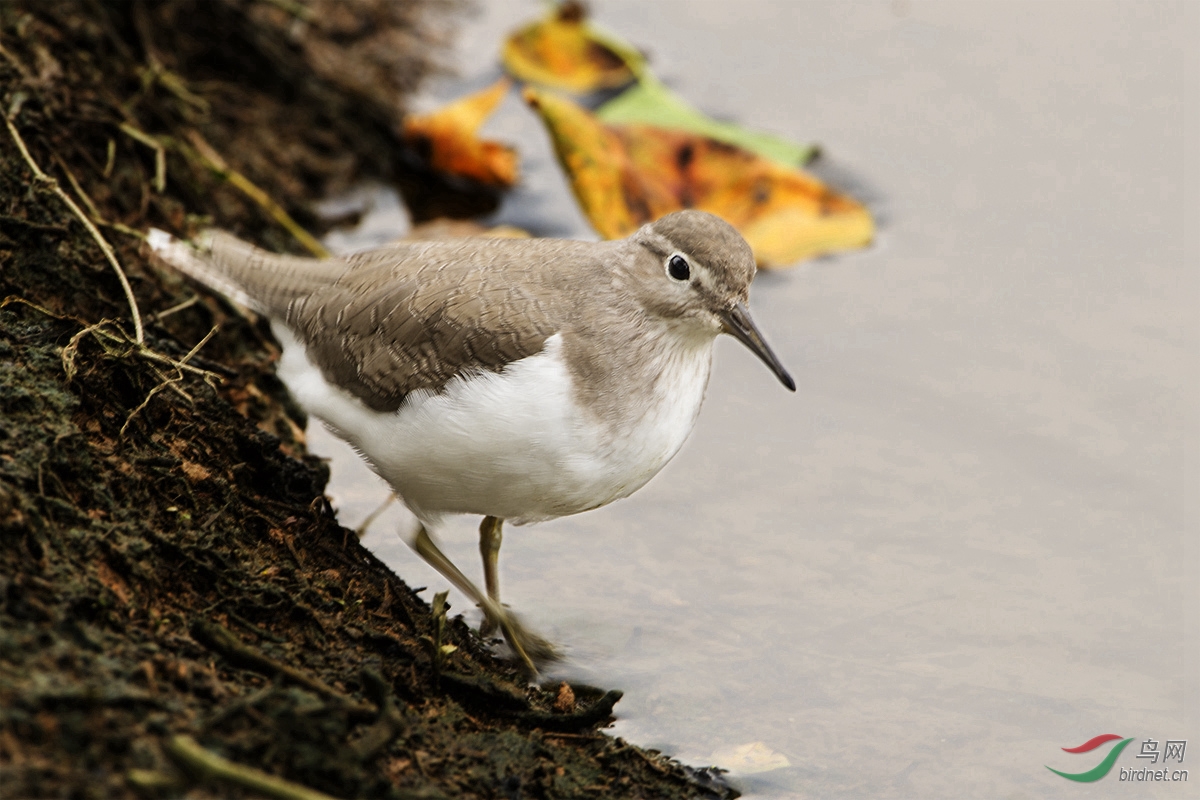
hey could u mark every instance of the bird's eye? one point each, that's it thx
(678, 268)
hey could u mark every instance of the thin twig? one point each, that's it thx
(12, 298)
(160, 154)
(125, 229)
(109, 253)
(149, 396)
(104, 337)
(69, 352)
(175, 309)
(169, 383)
(173, 385)
(189, 754)
(87, 201)
(153, 780)
(205, 152)
(199, 345)
(159, 357)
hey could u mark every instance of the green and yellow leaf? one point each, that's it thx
(627, 175)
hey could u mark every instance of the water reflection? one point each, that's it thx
(952, 552)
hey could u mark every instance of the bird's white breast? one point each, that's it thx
(512, 444)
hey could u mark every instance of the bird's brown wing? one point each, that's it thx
(415, 316)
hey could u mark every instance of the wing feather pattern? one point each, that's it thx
(406, 317)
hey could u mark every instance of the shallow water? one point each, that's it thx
(970, 539)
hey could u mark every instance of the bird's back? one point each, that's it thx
(408, 316)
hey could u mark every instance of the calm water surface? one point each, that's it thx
(970, 539)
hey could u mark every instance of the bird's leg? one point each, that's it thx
(527, 645)
(361, 530)
(489, 547)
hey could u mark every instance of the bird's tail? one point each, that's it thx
(262, 281)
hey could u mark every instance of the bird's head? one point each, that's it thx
(694, 270)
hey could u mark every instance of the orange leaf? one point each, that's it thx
(627, 175)
(447, 139)
(564, 51)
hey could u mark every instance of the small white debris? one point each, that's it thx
(747, 759)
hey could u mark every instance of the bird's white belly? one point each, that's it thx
(512, 444)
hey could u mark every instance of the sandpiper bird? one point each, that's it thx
(521, 380)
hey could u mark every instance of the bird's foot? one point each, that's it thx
(530, 648)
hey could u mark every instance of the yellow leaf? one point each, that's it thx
(627, 175)
(594, 159)
(565, 52)
(447, 140)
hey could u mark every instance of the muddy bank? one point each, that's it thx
(174, 588)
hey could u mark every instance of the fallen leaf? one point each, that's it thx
(627, 175)
(564, 702)
(564, 51)
(447, 139)
(649, 102)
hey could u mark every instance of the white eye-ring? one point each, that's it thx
(678, 267)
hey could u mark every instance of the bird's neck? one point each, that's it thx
(632, 374)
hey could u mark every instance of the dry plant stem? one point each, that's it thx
(217, 164)
(155, 72)
(109, 253)
(153, 356)
(199, 345)
(110, 159)
(152, 780)
(190, 755)
(108, 338)
(160, 154)
(87, 201)
(169, 383)
(149, 396)
(175, 309)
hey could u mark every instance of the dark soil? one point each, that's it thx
(169, 565)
